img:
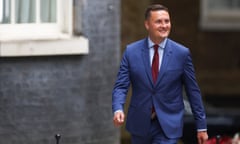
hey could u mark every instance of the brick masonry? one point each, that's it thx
(70, 95)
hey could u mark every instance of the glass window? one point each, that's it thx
(5, 11)
(38, 27)
(48, 10)
(35, 19)
(220, 14)
(25, 11)
(224, 4)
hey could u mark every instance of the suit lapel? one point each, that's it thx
(146, 61)
(165, 60)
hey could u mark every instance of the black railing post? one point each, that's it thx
(218, 139)
(57, 136)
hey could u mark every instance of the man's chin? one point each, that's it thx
(163, 36)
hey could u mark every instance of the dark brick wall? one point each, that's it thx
(70, 95)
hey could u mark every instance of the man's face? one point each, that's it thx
(158, 25)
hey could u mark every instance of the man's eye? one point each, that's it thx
(167, 21)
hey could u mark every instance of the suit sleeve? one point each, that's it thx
(193, 93)
(121, 86)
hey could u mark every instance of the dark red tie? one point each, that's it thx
(155, 69)
(155, 63)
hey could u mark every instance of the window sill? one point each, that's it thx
(67, 46)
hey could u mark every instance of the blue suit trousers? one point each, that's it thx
(155, 136)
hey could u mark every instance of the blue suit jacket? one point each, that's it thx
(166, 95)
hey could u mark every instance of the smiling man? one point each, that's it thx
(157, 68)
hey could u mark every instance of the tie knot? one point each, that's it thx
(155, 47)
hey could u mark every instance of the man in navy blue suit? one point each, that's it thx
(157, 68)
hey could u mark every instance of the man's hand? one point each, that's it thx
(118, 118)
(202, 137)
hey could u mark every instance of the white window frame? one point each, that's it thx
(219, 19)
(43, 38)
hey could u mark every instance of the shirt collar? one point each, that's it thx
(161, 45)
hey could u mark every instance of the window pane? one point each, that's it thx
(25, 11)
(224, 4)
(5, 10)
(236, 4)
(48, 10)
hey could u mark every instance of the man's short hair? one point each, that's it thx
(154, 7)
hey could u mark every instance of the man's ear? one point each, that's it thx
(146, 24)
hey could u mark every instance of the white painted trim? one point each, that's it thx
(73, 46)
(12, 12)
(28, 31)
